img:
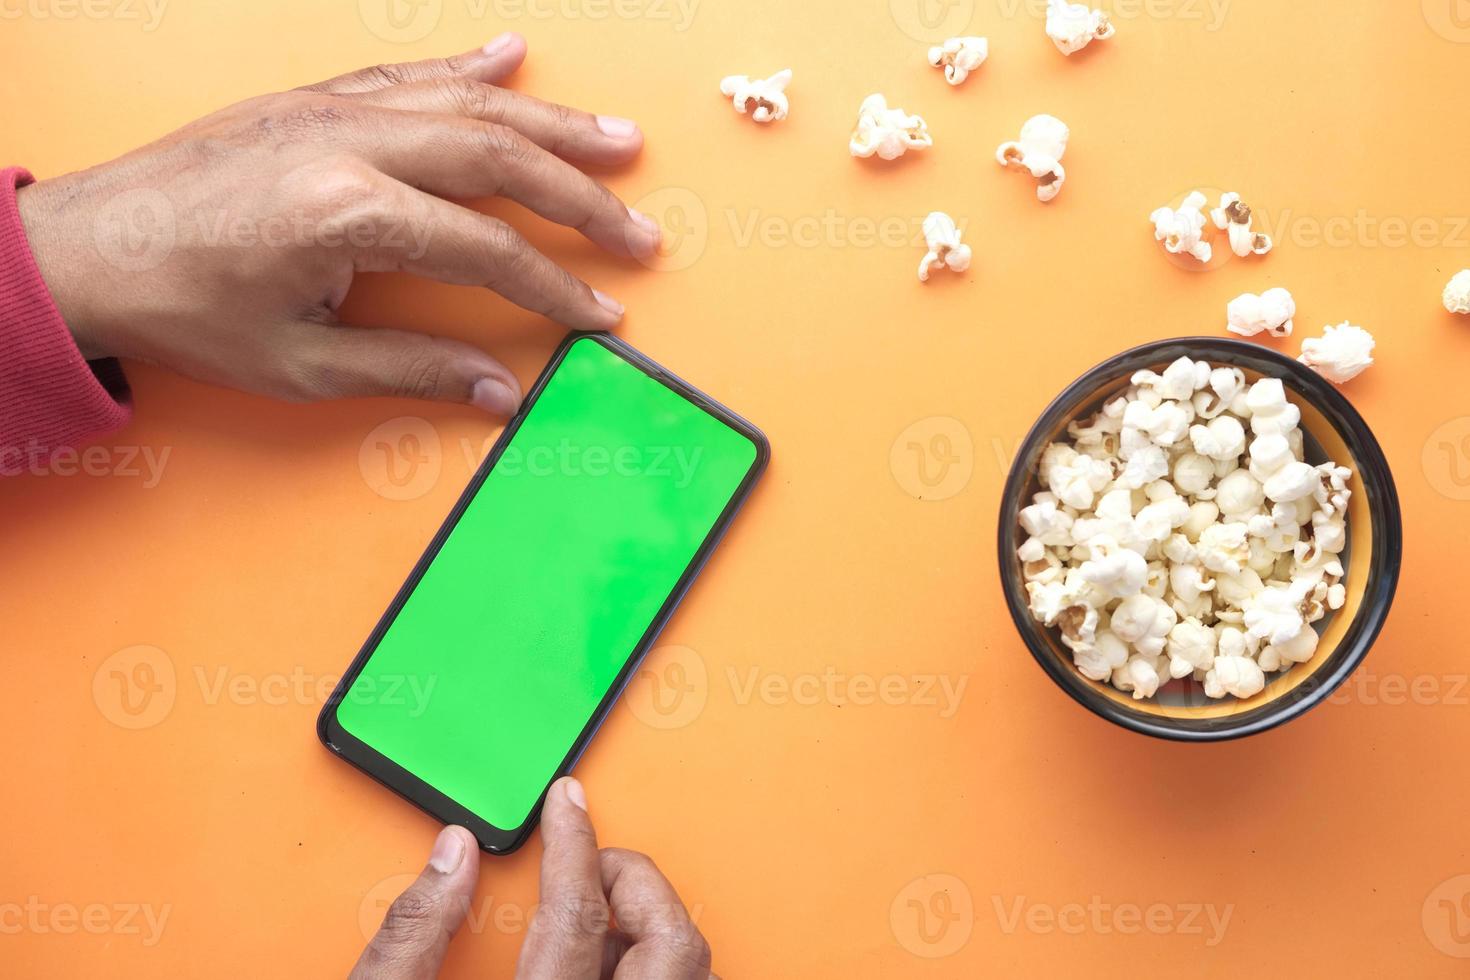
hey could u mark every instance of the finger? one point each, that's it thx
(571, 134)
(492, 63)
(415, 933)
(665, 940)
(337, 361)
(467, 158)
(566, 937)
(429, 237)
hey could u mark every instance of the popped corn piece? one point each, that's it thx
(1269, 453)
(887, 133)
(1144, 621)
(1046, 522)
(1191, 647)
(1146, 465)
(1202, 513)
(1239, 589)
(1269, 409)
(1193, 474)
(1031, 550)
(946, 251)
(1234, 215)
(1164, 424)
(1039, 151)
(1180, 380)
(1234, 675)
(1291, 483)
(764, 98)
(1078, 625)
(1239, 495)
(1223, 547)
(1457, 293)
(1049, 600)
(1115, 571)
(1274, 614)
(1223, 438)
(1189, 582)
(1077, 482)
(1271, 312)
(1108, 653)
(959, 56)
(1182, 231)
(1139, 675)
(1296, 649)
(1233, 642)
(1073, 26)
(1156, 521)
(1225, 385)
(1341, 354)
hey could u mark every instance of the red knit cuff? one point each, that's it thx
(50, 397)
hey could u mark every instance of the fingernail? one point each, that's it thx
(576, 793)
(499, 44)
(494, 396)
(608, 303)
(647, 223)
(448, 851)
(616, 127)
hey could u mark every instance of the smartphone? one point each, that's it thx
(537, 599)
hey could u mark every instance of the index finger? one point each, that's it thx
(565, 939)
(491, 63)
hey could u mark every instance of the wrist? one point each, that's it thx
(62, 265)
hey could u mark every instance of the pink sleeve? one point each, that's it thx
(50, 397)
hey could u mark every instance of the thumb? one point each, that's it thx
(411, 942)
(333, 361)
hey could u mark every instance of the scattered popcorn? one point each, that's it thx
(1272, 312)
(763, 98)
(1182, 231)
(1073, 26)
(1233, 215)
(1457, 293)
(945, 249)
(959, 56)
(887, 133)
(1039, 151)
(1342, 352)
(1179, 535)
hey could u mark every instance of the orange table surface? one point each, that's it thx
(841, 752)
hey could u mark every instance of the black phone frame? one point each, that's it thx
(492, 839)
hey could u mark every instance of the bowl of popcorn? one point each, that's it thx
(1200, 539)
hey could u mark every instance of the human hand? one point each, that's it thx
(255, 219)
(605, 913)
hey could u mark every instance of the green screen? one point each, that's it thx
(532, 607)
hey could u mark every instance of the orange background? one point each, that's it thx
(798, 831)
